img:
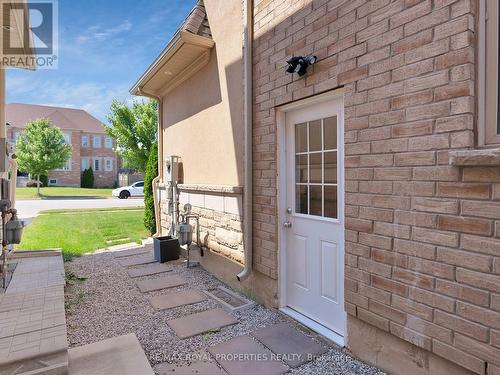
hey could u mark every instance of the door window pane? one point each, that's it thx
(330, 167)
(316, 200)
(315, 143)
(315, 170)
(330, 130)
(301, 199)
(301, 168)
(301, 137)
(331, 209)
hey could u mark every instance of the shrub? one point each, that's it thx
(151, 173)
(88, 178)
(44, 179)
(33, 183)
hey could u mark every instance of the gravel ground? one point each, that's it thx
(108, 304)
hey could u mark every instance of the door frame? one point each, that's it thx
(282, 204)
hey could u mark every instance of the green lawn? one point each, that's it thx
(57, 192)
(77, 233)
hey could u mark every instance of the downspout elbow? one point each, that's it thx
(248, 121)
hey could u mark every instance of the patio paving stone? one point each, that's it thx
(245, 356)
(293, 346)
(151, 269)
(130, 252)
(169, 281)
(122, 355)
(201, 364)
(171, 300)
(137, 261)
(194, 324)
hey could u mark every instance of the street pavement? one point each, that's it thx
(28, 209)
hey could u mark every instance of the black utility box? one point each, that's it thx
(166, 248)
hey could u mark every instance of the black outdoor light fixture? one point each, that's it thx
(299, 64)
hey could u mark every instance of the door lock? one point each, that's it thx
(289, 210)
(287, 224)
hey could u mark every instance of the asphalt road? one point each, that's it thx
(30, 208)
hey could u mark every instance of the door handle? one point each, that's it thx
(287, 224)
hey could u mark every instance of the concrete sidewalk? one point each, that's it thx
(31, 208)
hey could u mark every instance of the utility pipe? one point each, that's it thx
(13, 181)
(158, 178)
(248, 121)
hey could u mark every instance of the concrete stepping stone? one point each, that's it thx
(171, 300)
(195, 324)
(122, 355)
(245, 356)
(130, 252)
(137, 261)
(292, 346)
(199, 364)
(150, 269)
(169, 281)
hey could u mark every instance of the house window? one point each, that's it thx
(85, 141)
(52, 181)
(108, 164)
(85, 164)
(108, 142)
(489, 73)
(97, 165)
(67, 138)
(66, 167)
(97, 141)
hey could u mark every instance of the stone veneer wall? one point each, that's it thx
(422, 235)
(221, 220)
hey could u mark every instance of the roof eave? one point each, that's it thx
(180, 39)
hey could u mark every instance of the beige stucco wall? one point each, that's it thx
(203, 118)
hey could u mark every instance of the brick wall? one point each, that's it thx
(102, 178)
(71, 177)
(422, 248)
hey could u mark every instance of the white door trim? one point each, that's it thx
(282, 204)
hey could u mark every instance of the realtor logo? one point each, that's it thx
(29, 34)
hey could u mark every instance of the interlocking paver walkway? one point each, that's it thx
(164, 282)
(171, 300)
(195, 324)
(245, 356)
(149, 270)
(293, 346)
(37, 272)
(32, 315)
(137, 260)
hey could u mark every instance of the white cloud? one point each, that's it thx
(98, 33)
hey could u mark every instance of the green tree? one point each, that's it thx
(134, 129)
(87, 178)
(151, 173)
(41, 148)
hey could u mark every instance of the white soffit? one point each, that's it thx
(185, 55)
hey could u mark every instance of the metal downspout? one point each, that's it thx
(248, 121)
(157, 179)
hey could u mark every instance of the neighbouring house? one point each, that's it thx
(92, 147)
(363, 198)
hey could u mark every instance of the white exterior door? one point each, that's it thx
(313, 224)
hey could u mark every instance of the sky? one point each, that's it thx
(104, 47)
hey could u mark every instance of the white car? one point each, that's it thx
(134, 190)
